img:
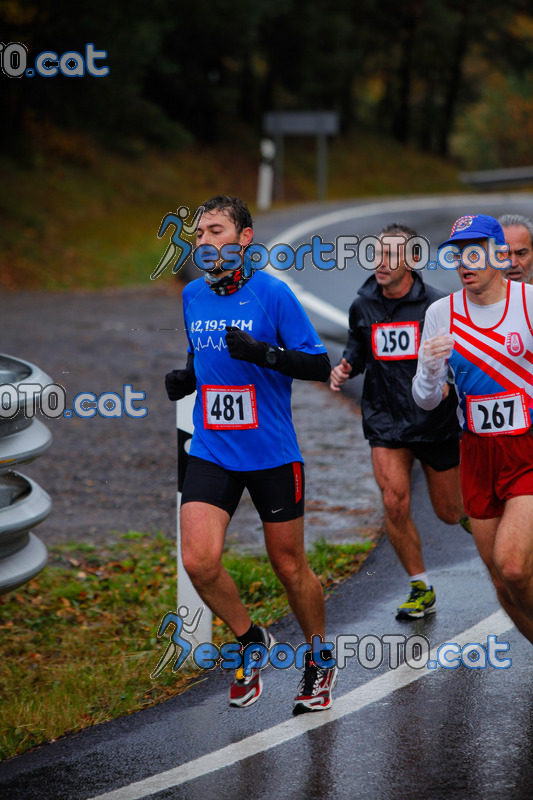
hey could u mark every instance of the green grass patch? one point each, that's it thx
(80, 641)
(78, 216)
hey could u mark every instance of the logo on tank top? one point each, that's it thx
(515, 345)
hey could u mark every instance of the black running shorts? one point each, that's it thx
(278, 494)
(440, 456)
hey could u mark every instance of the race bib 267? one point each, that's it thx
(493, 415)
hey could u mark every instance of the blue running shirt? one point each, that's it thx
(242, 414)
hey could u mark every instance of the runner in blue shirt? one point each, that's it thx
(248, 338)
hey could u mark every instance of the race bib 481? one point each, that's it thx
(392, 341)
(229, 407)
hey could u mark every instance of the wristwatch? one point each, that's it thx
(271, 356)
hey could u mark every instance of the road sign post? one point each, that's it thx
(302, 123)
(266, 175)
(187, 594)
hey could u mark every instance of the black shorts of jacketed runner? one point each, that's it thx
(440, 456)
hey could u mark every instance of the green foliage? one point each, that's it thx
(80, 641)
(83, 218)
(203, 69)
(498, 130)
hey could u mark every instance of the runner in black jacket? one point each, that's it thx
(386, 322)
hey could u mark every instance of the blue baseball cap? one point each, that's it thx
(477, 226)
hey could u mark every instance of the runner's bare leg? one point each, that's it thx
(445, 493)
(486, 533)
(285, 547)
(203, 530)
(392, 469)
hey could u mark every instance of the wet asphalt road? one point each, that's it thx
(449, 734)
(446, 733)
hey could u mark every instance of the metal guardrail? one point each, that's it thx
(23, 504)
(486, 179)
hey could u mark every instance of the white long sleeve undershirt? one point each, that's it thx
(428, 384)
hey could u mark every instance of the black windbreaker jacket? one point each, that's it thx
(389, 411)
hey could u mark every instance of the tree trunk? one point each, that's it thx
(452, 90)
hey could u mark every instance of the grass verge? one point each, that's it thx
(79, 642)
(78, 216)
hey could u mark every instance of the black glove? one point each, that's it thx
(179, 383)
(244, 347)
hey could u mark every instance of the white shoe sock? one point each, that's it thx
(423, 576)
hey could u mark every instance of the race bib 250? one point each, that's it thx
(392, 341)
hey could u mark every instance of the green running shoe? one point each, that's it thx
(421, 601)
(466, 524)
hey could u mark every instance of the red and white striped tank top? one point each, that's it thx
(493, 367)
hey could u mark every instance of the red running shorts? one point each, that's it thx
(494, 469)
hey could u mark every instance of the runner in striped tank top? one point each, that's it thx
(484, 334)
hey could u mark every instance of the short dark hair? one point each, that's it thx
(235, 208)
(398, 229)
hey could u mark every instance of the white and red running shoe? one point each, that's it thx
(245, 690)
(315, 688)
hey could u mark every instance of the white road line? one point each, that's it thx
(388, 207)
(364, 695)
(296, 232)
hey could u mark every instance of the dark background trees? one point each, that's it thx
(421, 71)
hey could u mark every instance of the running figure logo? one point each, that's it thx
(176, 242)
(176, 641)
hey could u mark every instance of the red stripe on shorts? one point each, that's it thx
(297, 470)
